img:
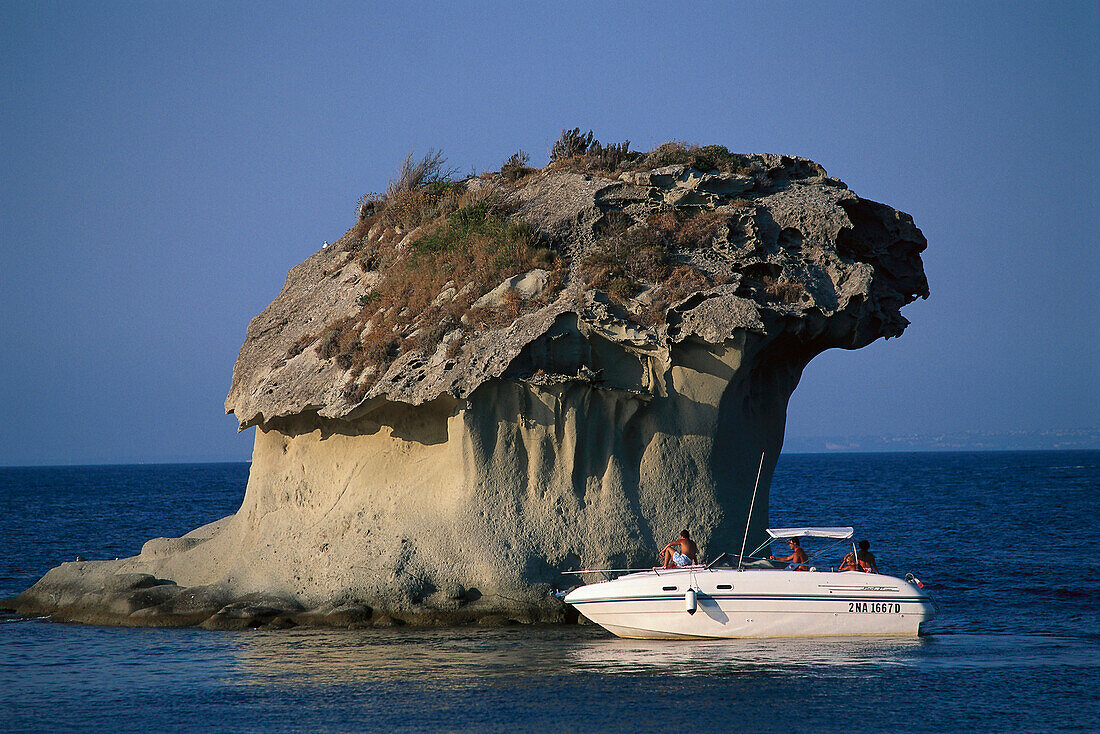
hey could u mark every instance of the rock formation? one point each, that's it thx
(487, 382)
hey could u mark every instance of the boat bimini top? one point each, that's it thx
(841, 533)
(838, 534)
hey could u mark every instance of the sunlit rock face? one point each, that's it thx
(438, 438)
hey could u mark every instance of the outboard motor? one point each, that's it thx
(689, 601)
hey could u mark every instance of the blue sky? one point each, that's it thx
(165, 164)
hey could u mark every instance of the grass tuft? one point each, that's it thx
(781, 289)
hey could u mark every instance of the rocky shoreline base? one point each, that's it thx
(98, 592)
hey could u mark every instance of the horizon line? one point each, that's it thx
(797, 452)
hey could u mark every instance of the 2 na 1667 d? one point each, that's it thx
(877, 607)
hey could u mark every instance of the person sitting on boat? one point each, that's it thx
(685, 556)
(797, 558)
(866, 558)
(850, 564)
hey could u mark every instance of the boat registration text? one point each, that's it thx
(876, 607)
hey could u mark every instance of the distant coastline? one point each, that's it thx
(972, 441)
(1086, 439)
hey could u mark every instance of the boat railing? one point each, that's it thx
(722, 557)
(606, 572)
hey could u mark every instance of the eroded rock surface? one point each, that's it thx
(454, 477)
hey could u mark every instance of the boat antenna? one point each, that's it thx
(741, 558)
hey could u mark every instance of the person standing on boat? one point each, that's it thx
(866, 558)
(686, 554)
(797, 558)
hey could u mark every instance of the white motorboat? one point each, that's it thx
(754, 598)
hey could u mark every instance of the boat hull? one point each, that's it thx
(753, 603)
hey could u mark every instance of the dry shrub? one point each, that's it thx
(413, 176)
(781, 289)
(381, 346)
(367, 205)
(516, 167)
(327, 344)
(581, 152)
(609, 157)
(623, 266)
(358, 232)
(411, 180)
(341, 337)
(572, 144)
(631, 259)
(409, 208)
(628, 260)
(438, 323)
(420, 192)
(455, 347)
(369, 257)
(495, 318)
(698, 230)
(683, 280)
(670, 153)
(687, 230)
(300, 345)
(513, 304)
(700, 157)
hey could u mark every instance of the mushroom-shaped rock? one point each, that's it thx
(485, 383)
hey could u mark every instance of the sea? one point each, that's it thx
(1007, 544)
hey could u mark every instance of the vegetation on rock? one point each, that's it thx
(430, 248)
(516, 166)
(700, 157)
(440, 244)
(630, 260)
(582, 152)
(438, 248)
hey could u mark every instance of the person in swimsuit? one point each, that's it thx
(850, 564)
(680, 552)
(866, 558)
(797, 558)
